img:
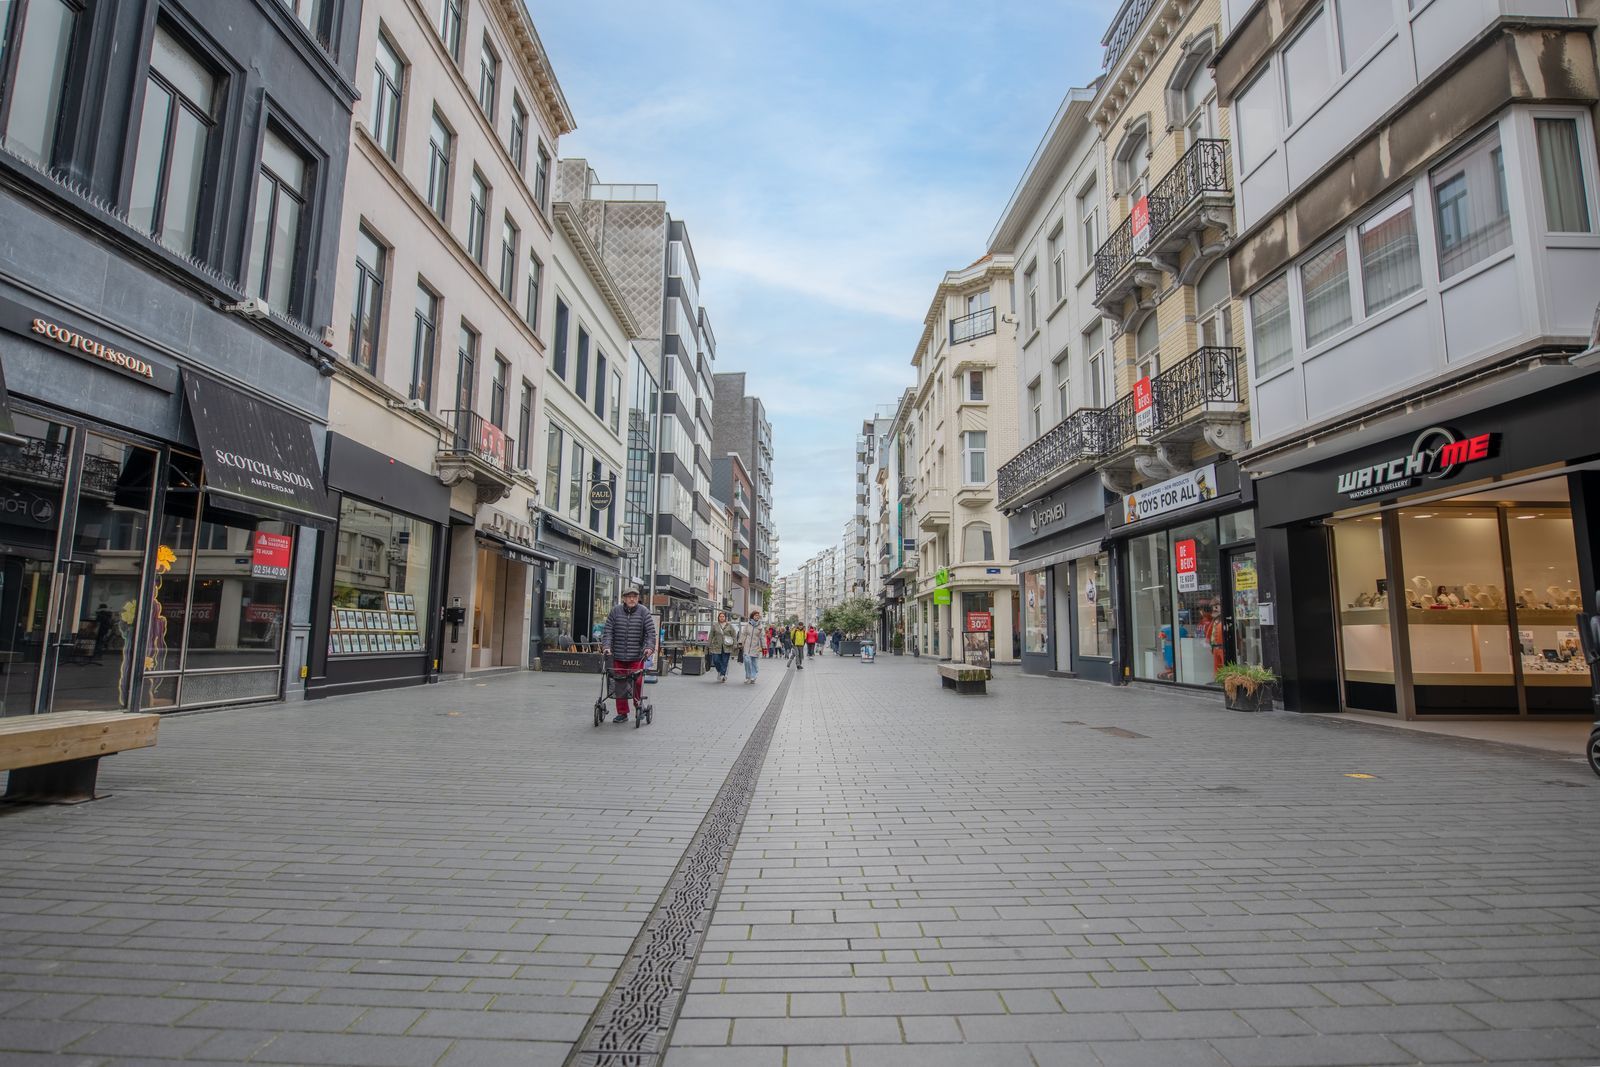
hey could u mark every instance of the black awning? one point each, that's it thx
(514, 552)
(258, 459)
(8, 428)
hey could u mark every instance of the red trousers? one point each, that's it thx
(638, 681)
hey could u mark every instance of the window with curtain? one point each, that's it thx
(1390, 265)
(1269, 325)
(497, 390)
(174, 138)
(1325, 290)
(977, 543)
(1471, 214)
(1566, 201)
(1307, 70)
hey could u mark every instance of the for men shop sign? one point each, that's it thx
(1174, 494)
(256, 453)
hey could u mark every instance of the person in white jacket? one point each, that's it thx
(752, 638)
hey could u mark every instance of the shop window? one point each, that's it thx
(1150, 608)
(1270, 334)
(1197, 607)
(1471, 212)
(1391, 267)
(42, 45)
(1566, 202)
(388, 81)
(1544, 573)
(977, 543)
(174, 139)
(1238, 526)
(1093, 582)
(1035, 612)
(282, 189)
(440, 141)
(560, 588)
(1363, 595)
(381, 581)
(605, 598)
(1325, 292)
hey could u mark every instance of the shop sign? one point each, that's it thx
(1185, 560)
(1044, 516)
(979, 622)
(941, 577)
(1141, 224)
(600, 496)
(941, 596)
(1144, 405)
(1436, 453)
(20, 319)
(511, 529)
(1174, 494)
(269, 555)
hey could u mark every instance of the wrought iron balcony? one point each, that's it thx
(1199, 178)
(1119, 426)
(973, 326)
(473, 448)
(1206, 381)
(1072, 442)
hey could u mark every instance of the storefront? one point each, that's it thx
(581, 586)
(150, 524)
(1438, 573)
(1067, 617)
(379, 576)
(1189, 598)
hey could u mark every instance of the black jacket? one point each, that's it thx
(630, 637)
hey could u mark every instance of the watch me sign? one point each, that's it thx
(1436, 453)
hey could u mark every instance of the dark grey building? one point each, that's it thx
(171, 177)
(741, 427)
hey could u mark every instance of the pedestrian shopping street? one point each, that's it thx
(1054, 873)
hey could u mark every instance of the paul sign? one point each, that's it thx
(1436, 453)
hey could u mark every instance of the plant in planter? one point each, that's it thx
(899, 641)
(1247, 687)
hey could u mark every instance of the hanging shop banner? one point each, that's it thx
(979, 622)
(257, 454)
(1144, 405)
(269, 555)
(1174, 494)
(1141, 224)
(1185, 558)
(941, 596)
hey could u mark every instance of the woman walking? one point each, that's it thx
(724, 638)
(752, 640)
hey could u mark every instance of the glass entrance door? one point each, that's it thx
(33, 477)
(1243, 608)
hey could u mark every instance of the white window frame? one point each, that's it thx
(1089, 219)
(967, 455)
(1035, 409)
(1056, 244)
(1586, 161)
(1030, 288)
(1330, 45)
(968, 380)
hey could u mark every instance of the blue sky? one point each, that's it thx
(832, 160)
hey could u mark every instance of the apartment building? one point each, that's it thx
(444, 265)
(650, 255)
(742, 429)
(1418, 250)
(964, 415)
(731, 482)
(1052, 490)
(171, 180)
(897, 523)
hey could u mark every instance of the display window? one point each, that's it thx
(1092, 581)
(1198, 635)
(605, 598)
(1035, 612)
(1181, 601)
(382, 572)
(560, 585)
(1154, 656)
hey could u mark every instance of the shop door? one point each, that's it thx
(1243, 610)
(70, 605)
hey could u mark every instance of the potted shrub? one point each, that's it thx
(899, 643)
(1247, 688)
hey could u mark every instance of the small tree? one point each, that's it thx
(856, 617)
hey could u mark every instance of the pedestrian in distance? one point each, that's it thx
(798, 641)
(838, 641)
(752, 642)
(629, 638)
(724, 638)
(811, 641)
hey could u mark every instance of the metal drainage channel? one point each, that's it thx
(633, 1023)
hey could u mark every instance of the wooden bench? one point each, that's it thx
(964, 679)
(53, 758)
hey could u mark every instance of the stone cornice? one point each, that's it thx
(567, 218)
(1119, 85)
(535, 63)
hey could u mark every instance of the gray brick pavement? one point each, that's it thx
(449, 876)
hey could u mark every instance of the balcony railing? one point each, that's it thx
(1124, 32)
(1073, 440)
(1208, 376)
(973, 326)
(469, 434)
(1202, 169)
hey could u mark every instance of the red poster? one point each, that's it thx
(269, 555)
(1141, 223)
(1183, 555)
(1144, 405)
(979, 622)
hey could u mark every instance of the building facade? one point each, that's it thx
(171, 180)
(897, 525)
(1418, 251)
(964, 415)
(742, 429)
(730, 481)
(445, 268)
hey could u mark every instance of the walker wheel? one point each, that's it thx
(649, 715)
(638, 717)
(1594, 750)
(599, 712)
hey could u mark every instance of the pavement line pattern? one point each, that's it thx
(632, 1025)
